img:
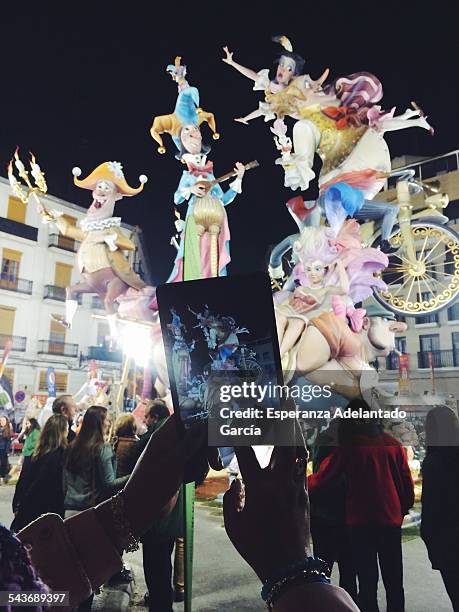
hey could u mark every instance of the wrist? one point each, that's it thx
(305, 571)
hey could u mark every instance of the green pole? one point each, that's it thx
(188, 518)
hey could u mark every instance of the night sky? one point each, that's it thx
(81, 84)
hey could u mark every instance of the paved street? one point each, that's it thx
(223, 582)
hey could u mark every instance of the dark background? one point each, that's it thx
(82, 82)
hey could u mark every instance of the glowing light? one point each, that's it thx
(137, 344)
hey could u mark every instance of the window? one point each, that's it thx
(61, 382)
(455, 341)
(11, 261)
(430, 354)
(400, 344)
(392, 358)
(56, 336)
(449, 265)
(428, 318)
(429, 342)
(16, 210)
(453, 312)
(63, 275)
(6, 322)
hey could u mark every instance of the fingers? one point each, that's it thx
(324, 76)
(248, 462)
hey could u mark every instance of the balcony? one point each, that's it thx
(101, 353)
(439, 359)
(64, 349)
(53, 292)
(63, 242)
(13, 283)
(19, 342)
(18, 229)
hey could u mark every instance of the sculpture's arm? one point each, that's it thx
(123, 242)
(69, 230)
(275, 261)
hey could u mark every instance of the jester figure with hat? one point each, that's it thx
(104, 268)
(204, 246)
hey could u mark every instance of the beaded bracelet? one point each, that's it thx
(310, 569)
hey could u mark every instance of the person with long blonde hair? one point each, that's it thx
(39, 489)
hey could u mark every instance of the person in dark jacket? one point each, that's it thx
(329, 533)
(158, 542)
(5, 446)
(380, 492)
(39, 489)
(440, 497)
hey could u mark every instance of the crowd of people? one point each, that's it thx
(359, 492)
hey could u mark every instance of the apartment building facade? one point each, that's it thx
(431, 342)
(36, 265)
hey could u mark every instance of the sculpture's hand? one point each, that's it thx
(180, 225)
(110, 240)
(229, 56)
(47, 215)
(198, 190)
(239, 169)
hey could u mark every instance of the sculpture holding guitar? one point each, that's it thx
(203, 245)
(209, 213)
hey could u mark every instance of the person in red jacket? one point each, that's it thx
(379, 493)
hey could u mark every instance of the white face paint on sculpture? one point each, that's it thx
(191, 139)
(104, 197)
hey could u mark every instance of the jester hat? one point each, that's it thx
(187, 110)
(108, 171)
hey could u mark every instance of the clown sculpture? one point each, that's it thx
(103, 267)
(203, 249)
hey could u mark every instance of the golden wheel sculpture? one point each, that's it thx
(428, 283)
